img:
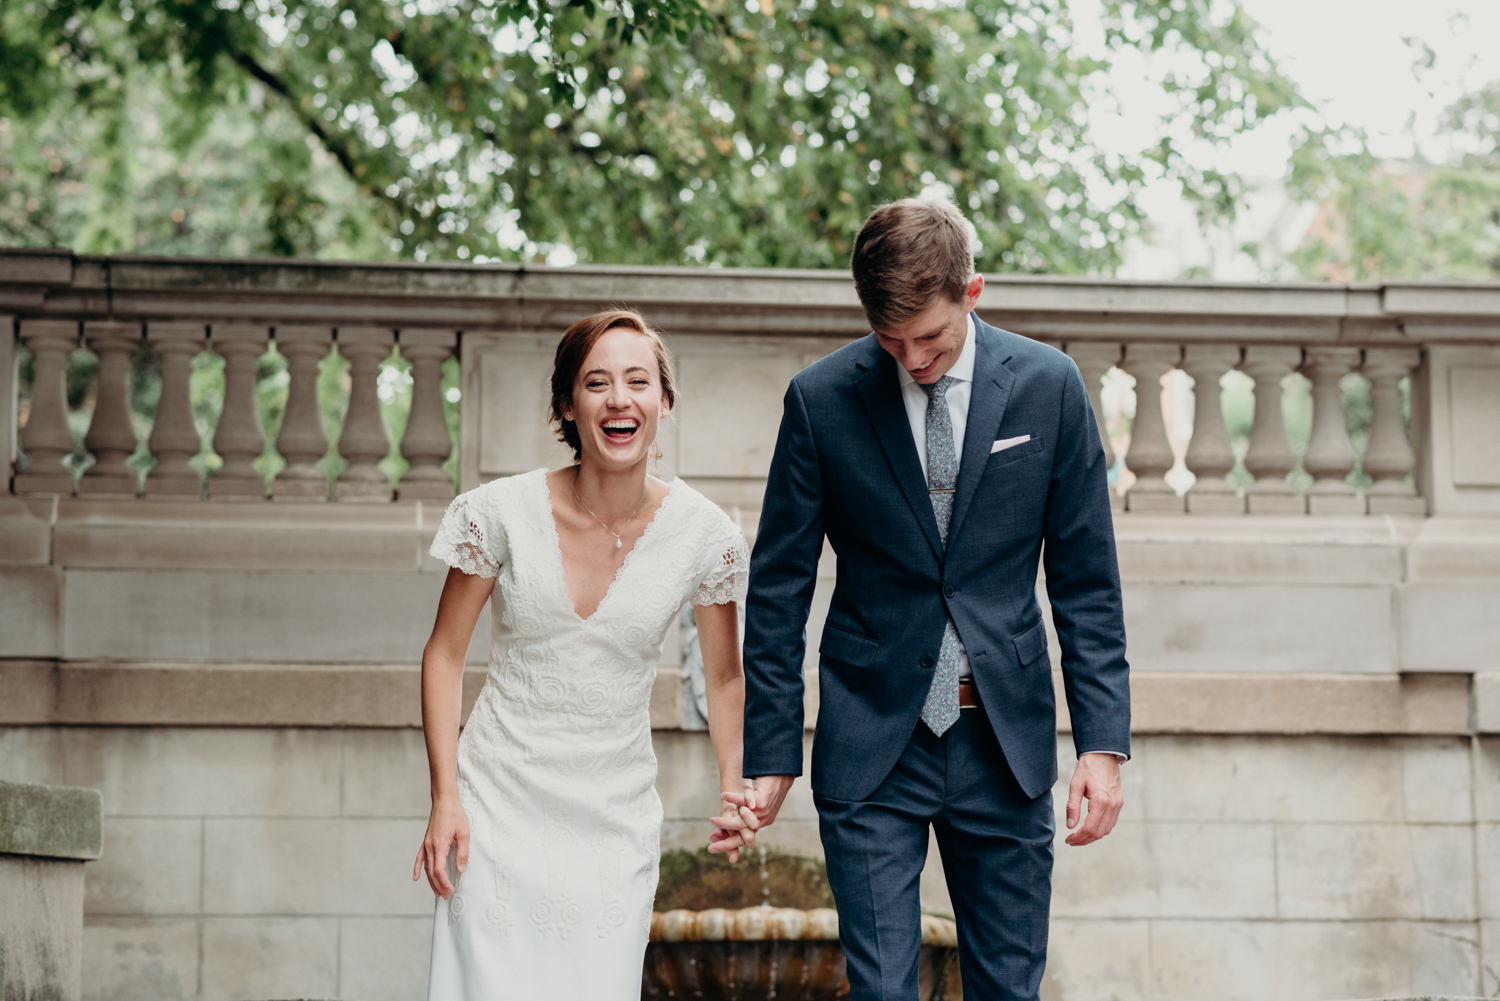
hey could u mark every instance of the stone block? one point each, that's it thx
(1487, 702)
(153, 866)
(1375, 871)
(512, 403)
(269, 957)
(385, 774)
(25, 539)
(1317, 960)
(30, 611)
(1335, 504)
(1169, 870)
(1223, 960)
(189, 772)
(384, 959)
(1224, 628)
(1486, 779)
(666, 699)
(41, 915)
(140, 959)
(730, 407)
(52, 821)
(1437, 781)
(32, 753)
(1448, 627)
(251, 617)
(1097, 961)
(1222, 557)
(305, 867)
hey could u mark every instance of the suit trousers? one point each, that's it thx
(996, 845)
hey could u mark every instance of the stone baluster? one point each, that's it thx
(239, 438)
(46, 439)
(302, 441)
(1210, 455)
(174, 440)
(1149, 456)
(1094, 360)
(1389, 458)
(1270, 457)
(426, 443)
(1330, 458)
(363, 441)
(111, 436)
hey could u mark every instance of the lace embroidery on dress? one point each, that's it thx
(460, 541)
(729, 580)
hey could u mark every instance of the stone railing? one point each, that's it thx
(116, 308)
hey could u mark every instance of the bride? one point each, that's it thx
(545, 829)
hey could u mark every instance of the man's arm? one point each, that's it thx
(783, 570)
(1083, 586)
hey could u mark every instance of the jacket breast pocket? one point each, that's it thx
(1031, 642)
(1015, 453)
(847, 646)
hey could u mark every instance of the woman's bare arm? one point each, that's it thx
(724, 678)
(458, 611)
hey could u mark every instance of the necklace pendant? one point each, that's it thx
(619, 544)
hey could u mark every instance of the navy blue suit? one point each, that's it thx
(846, 467)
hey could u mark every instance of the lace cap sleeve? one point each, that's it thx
(728, 576)
(468, 540)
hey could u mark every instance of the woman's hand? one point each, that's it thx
(448, 824)
(736, 823)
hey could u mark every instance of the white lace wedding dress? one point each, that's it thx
(555, 767)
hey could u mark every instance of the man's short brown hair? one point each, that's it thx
(907, 253)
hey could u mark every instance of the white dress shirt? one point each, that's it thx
(915, 398)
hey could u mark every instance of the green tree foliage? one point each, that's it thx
(1416, 219)
(660, 132)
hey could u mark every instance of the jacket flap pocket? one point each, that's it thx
(1031, 643)
(1021, 451)
(847, 646)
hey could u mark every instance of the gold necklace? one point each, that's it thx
(619, 543)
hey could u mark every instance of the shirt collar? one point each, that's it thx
(963, 367)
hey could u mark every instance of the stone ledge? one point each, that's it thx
(94, 693)
(51, 821)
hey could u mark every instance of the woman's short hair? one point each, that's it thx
(908, 253)
(577, 341)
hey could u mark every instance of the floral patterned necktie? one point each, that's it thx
(941, 709)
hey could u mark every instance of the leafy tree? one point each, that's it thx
(1416, 219)
(655, 132)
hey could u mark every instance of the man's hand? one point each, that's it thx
(765, 798)
(747, 812)
(1096, 779)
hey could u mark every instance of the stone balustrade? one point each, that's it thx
(1151, 333)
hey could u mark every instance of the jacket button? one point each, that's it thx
(926, 660)
(950, 591)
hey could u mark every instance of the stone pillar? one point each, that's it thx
(48, 833)
(302, 441)
(363, 441)
(1150, 454)
(1094, 360)
(1270, 457)
(1330, 459)
(111, 436)
(1389, 458)
(1210, 455)
(426, 444)
(47, 440)
(174, 440)
(239, 438)
(9, 393)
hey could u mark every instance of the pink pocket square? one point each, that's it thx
(1003, 443)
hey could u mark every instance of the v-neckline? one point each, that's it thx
(562, 573)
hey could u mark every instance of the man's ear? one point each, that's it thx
(971, 293)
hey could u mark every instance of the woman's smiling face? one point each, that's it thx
(618, 401)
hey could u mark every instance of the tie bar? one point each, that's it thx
(942, 490)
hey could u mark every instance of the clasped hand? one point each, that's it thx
(744, 813)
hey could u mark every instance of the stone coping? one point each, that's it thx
(757, 924)
(106, 693)
(51, 821)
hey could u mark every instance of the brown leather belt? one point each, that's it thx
(968, 694)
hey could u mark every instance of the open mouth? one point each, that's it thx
(621, 429)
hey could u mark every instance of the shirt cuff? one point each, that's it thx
(1118, 754)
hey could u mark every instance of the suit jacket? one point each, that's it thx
(846, 467)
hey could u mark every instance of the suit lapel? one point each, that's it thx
(880, 391)
(987, 400)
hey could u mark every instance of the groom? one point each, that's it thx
(940, 457)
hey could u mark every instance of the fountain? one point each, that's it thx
(761, 952)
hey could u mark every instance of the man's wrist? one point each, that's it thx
(1119, 756)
